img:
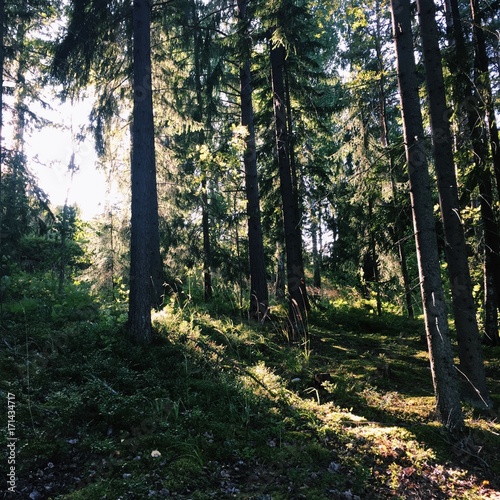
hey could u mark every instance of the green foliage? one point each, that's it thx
(218, 403)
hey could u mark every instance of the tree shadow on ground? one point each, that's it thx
(207, 413)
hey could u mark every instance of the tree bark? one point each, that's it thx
(279, 284)
(469, 342)
(259, 296)
(205, 206)
(316, 255)
(298, 302)
(475, 111)
(483, 84)
(145, 259)
(2, 62)
(491, 336)
(486, 119)
(438, 336)
(207, 247)
(384, 137)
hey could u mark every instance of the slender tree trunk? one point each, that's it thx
(436, 322)
(315, 228)
(2, 62)
(145, 283)
(279, 285)
(469, 342)
(403, 261)
(491, 243)
(112, 250)
(294, 167)
(259, 297)
(207, 247)
(476, 115)
(14, 209)
(374, 260)
(483, 84)
(62, 254)
(205, 206)
(384, 137)
(486, 118)
(491, 336)
(20, 105)
(295, 272)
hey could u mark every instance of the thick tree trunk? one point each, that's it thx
(295, 272)
(438, 336)
(469, 342)
(259, 298)
(145, 260)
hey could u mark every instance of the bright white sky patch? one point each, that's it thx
(49, 152)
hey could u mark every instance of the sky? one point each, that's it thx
(49, 153)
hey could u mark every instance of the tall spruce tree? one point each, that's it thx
(145, 261)
(483, 85)
(464, 311)
(259, 298)
(436, 321)
(298, 301)
(468, 87)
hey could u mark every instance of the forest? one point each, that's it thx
(292, 288)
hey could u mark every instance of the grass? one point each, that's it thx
(221, 408)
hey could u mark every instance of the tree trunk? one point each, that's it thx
(280, 272)
(384, 137)
(145, 260)
(205, 207)
(62, 253)
(469, 342)
(207, 247)
(315, 228)
(2, 62)
(374, 260)
(491, 243)
(491, 336)
(438, 336)
(483, 84)
(259, 298)
(486, 115)
(476, 115)
(295, 272)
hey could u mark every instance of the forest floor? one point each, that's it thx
(222, 408)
